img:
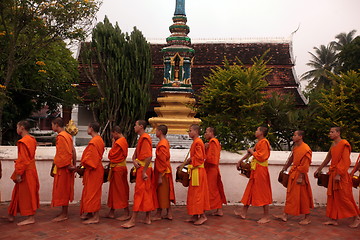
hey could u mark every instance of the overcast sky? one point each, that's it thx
(319, 20)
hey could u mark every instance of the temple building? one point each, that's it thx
(181, 65)
(210, 53)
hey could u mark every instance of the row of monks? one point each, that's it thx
(154, 189)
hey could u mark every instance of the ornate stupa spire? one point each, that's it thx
(180, 7)
(178, 53)
(176, 92)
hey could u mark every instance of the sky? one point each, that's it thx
(317, 21)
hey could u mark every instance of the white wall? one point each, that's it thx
(234, 184)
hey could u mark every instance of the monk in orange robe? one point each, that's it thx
(258, 189)
(216, 189)
(340, 199)
(198, 200)
(119, 187)
(143, 196)
(63, 170)
(25, 196)
(163, 181)
(93, 178)
(299, 198)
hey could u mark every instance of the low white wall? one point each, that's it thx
(234, 184)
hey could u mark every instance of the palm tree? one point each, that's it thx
(343, 39)
(323, 61)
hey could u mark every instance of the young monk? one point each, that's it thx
(258, 189)
(119, 187)
(340, 199)
(198, 200)
(93, 176)
(25, 196)
(163, 181)
(216, 189)
(299, 198)
(143, 196)
(63, 170)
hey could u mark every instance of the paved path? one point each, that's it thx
(227, 227)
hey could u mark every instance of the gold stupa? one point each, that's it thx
(176, 93)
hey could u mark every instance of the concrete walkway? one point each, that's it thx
(227, 227)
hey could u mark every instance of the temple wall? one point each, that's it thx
(234, 184)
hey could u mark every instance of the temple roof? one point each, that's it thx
(210, 54)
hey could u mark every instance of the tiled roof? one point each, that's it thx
(210, 54)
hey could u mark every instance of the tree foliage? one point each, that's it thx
(45, 80)
(350, 56)
(27, 27)
(323, 62)
(122, 78)
(330, 59)
(340, 107)
(232, 100)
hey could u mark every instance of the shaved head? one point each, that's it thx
(196, 128)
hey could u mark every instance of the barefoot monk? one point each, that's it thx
(143, 196)
(25, 196)
(198, 200)
(91, 160)
(63, 170)
(216, 188)
(163, 181)
(119, 187)
(299, 198)
(258, 189)
(340, 199)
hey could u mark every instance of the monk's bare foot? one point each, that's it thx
(128, 224)
(146, 221)
(168, 216)
(86, 216)
(281, 217)
(218, 213)
(331, 222)
(60, 218)
(305, 221)
(240, 212)
(111, 216)
(11, 218)
(263, 220)
(92, 220)
(201, 220)
(157, 217)
(30, 220)
(355, 223)
(192, 219)
(124, 218)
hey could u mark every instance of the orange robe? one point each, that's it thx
(198, 200)
(143, 196)
(258, 189)
(91, 159)
(299, 197)
(164, 192)
(119, 187)
(216, 188)
(25, 196)
(340, 199)
(63, 186)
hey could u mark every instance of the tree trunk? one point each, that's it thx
(1, 129)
